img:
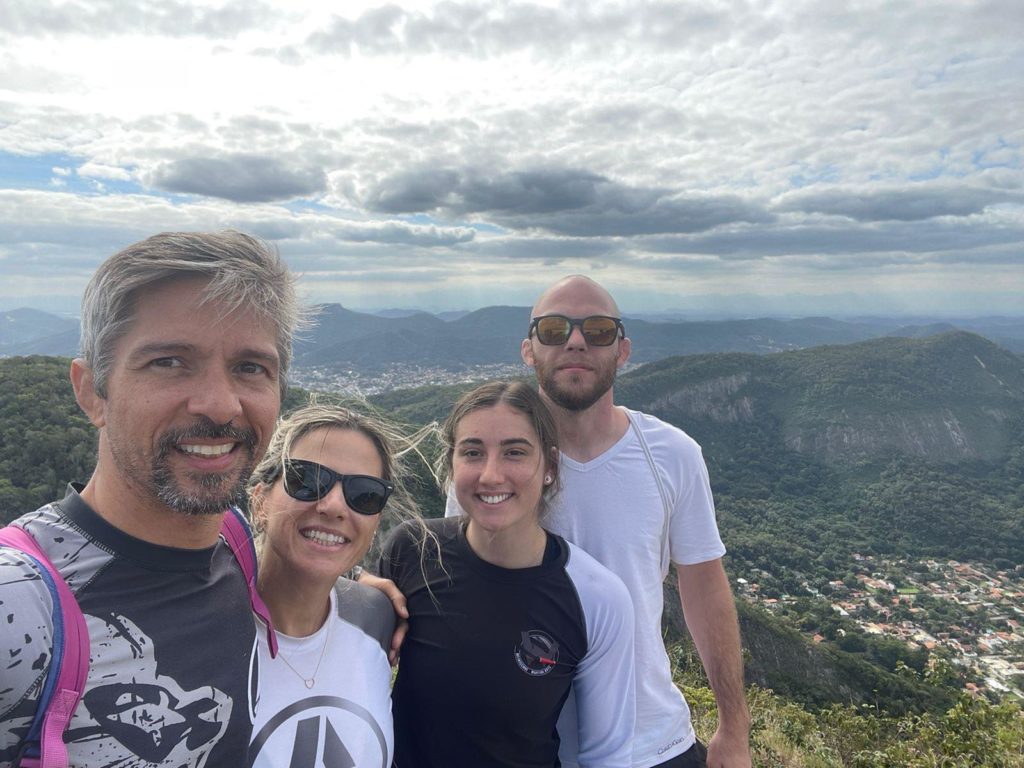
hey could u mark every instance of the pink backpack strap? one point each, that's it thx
(69, 660)
(236, 533)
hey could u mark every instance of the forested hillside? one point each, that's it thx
(893, 445)
(45, 441)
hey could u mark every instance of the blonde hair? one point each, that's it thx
(391, 442)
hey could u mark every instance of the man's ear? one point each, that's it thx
(526, 351)
(625, 347)
(92, 404)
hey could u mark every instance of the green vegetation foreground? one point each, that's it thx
(972, 733)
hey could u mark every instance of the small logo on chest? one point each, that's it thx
(537, 653)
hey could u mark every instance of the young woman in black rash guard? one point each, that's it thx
(506, 620)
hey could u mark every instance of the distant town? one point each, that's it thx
(975, 615)
(349, 383)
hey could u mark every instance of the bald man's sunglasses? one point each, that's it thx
(309, 481)
(597, 330)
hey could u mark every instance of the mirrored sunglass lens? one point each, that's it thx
(600, 330)
(553, 330)
(365, 495)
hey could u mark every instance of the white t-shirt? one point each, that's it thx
(611, 507)
(344, 718)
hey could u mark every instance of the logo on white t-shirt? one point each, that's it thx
(321, 731)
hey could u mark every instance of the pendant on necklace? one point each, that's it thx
(309, 683)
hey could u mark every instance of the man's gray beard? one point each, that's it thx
(211, 499)
(216, 491)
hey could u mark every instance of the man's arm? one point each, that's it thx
(711, 619)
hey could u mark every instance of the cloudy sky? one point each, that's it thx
(743, 156)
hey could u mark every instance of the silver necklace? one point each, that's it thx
(311, 680)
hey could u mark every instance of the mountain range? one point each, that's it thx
(343, 339)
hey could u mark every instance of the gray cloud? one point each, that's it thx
(408, 234)
(912, 203)
(631, 212)
(105, 18)
(483, 29)
(60, 224)
(413, 191)
(488, 29)
(563, 201)
(240, 178)
(548, 250)
(756, 146)
(897, 241)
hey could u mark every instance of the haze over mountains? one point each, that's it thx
(345, 339)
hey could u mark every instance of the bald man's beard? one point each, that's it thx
(575, 395)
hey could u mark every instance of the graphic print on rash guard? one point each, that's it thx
(148, 713)
(172, 645)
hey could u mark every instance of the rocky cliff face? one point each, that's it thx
(950, 398)
(939, 435)
(716, 399)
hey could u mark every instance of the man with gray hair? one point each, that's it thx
(185, 346)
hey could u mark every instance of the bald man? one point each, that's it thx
(635, 495)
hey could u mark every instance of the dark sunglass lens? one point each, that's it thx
(306, 481)
(600, 331)
(365, 495)
(553, 330)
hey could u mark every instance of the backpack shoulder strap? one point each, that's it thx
(662, 491)
(69, 660)
(236, 533)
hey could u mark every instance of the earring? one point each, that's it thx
(548, 479)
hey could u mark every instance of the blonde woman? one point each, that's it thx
(317, 499)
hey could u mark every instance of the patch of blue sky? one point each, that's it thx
(747, 180)
(33, 171)
(1004, 154)
(420, 218)
(930, 175)
(929, 77)
(307, 206)
(940, 168)
(57, 171)
(482, 226)
(807, 177)
(425, 219)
